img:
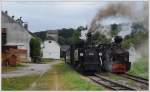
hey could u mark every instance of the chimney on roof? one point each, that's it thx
(20, 18)
(6, 12)
(13, 17)
(26, 26)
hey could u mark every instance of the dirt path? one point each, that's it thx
(56, 81)
(29, 69)
(33, 86)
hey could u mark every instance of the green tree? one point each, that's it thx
(135, 38)
(69, 36)
(114, 29)
(35, 48)
(41, 35)
(100, 38)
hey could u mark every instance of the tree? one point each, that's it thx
(69, 36)
(135, 38)
(80, 28)
(35, 49)
(100, 38)
(41, 35)
(114, 29)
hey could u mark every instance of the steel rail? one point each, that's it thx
(110, 84)
(135, 78)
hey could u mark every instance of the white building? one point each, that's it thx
(51, 49)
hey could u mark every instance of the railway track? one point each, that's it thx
(135, 78)
(110, 84)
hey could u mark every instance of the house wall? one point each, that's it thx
(16, 34)
(51, 50)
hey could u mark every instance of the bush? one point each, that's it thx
(35, 48)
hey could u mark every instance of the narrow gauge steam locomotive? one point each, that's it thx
(86, 57)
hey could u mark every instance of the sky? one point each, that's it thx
(46, 15)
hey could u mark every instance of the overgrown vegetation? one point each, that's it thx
(140, 67)
(18, 83)
(62, 77)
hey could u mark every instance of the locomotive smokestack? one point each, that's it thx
(118, 39)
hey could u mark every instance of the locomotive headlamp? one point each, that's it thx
(100, 54)
(81, 54)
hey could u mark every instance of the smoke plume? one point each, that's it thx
(136, 12)
(128, 9)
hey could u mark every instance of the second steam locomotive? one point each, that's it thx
(85, 57)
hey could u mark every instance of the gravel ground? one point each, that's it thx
(29, 69)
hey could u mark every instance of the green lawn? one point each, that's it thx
(140, 67)
(17, 83)
(62, 77)
(11, 68)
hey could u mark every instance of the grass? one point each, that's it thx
(11, 68)
(45, 61)
(17, 83)
(62, 77)
(140, 67)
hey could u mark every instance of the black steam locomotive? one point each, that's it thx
(86, 57)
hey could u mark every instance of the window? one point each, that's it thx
(4, 36)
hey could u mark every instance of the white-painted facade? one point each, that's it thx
(51, 49)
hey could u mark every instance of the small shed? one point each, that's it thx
(51, 49)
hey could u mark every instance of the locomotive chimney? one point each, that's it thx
(89, 38)
(118, 39)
